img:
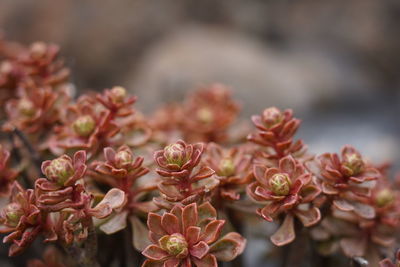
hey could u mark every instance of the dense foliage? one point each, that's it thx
(75, 168)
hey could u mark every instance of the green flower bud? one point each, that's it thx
(205, 115)
(118, 94)
(84, 125)
(13, 213)
(123, 159)
(354, 162)
(59, 170)
(38, 50)
(175, 154)
(226, 167)
(272, 116)
(384, 197)
(176, 244)
(280, 184)
(26, 107)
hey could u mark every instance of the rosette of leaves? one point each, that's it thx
(287, 189)
(212, 111)
(347, 180)
(275, 131)
(21, 219)
(40, 64)
(121, 169)
(232, 167)
(188, 236)
(358, 236)
(24, 73)
(60, 189)
(117, 101)
(354, 237)
(35, 110)
(87, 125)
(183, 180)
(75, 224)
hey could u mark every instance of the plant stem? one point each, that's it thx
(34, 154)
(238, 225)
(85, 255)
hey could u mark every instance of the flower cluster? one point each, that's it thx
(34, 82)
(275, 131)
(198, 182)
(213, 112)
(289, 189)
(183, 180)
(190, 235)
(59, 207)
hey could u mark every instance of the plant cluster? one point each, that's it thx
(182, 183)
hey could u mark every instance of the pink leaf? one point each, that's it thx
(189, 216)
(212, 231)
(140, 238)
(228, 247)
(285, 233)
(154, 223)
(287, 164)
(154, 252)
(208, 261)
(170, 223)
(353, 247)
(308, 217)
(199, 250)
(115, 224)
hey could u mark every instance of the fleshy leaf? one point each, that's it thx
(139, 234)
(228, 247)
(155, 253)
(208, 261)
(212, 231)
(285, 233)
(353, 247)
(309, 217)
(170, 223)
(365, 211)
(189, 216)
(115, 198)
(199, 250)
(115, 224)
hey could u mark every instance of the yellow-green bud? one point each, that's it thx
(123, 159)
(175, 154)
(272, 116)
(59, 170)
(354, 162)
(176, 244)
(84, 125)
(280, 184)
(226, 167)
(205, 115)
(38, 50)
(26, 107)
(13, 213)
(118, 94)
(384, 197)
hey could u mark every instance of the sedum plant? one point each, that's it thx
(179, 187)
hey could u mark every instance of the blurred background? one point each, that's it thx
(336, 63)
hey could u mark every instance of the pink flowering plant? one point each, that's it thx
(176, 188)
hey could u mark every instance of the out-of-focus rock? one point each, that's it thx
(259, 76)
(103, 40)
